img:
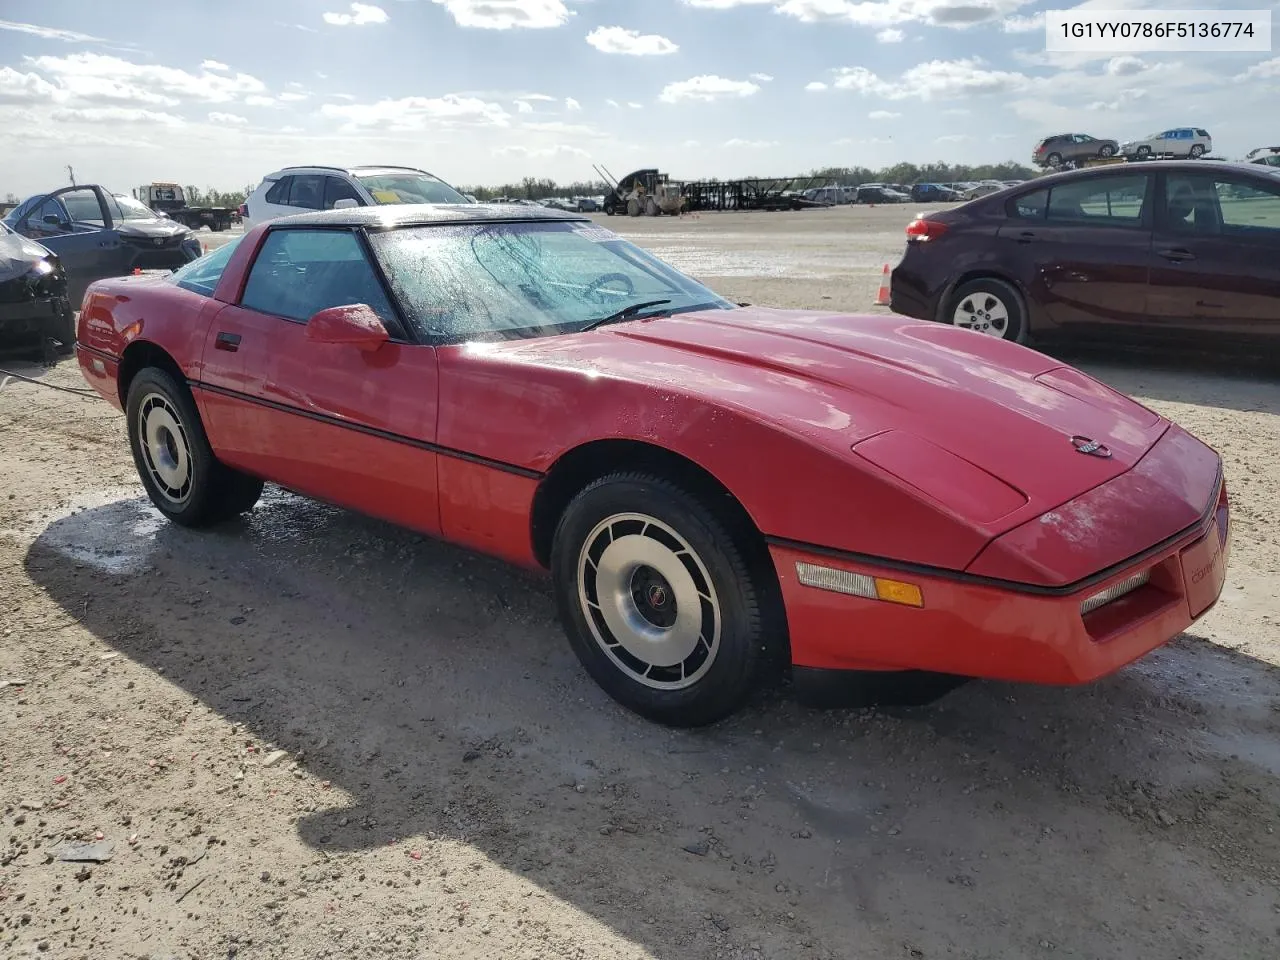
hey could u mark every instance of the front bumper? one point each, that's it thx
(148, 255)
(972, 626)
(28, 322)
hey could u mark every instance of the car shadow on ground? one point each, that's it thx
(435, 688)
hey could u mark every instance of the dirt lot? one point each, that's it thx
(452, 785)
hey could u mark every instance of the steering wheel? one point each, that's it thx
(594, 288)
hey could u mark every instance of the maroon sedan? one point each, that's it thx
(1173, 251)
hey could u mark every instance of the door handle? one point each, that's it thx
(1177, 255)
(227, 341)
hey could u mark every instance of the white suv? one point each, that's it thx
(295, 189)
(1180, 143)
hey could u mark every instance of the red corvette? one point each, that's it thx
(716, 490)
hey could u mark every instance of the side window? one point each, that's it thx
(1249, 209)
(335, 189)
(307, 192)
(1190, 204)
(1029, 206)
(1112, 201)
(202, 276)
(298, 273)
(279, 192)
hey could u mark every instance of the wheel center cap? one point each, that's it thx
(657, 595)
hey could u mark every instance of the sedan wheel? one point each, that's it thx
(1106, 151)
(183, 478)
(988, 306)
(658, 602)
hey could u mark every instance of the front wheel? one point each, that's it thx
(1107, 151)
(1144, 153)
(989, 306)
(658, 602)
(179, 471)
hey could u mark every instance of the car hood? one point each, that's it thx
(151, 229)
(933, 406)
(17, 254)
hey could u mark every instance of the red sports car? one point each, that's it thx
(716, 490)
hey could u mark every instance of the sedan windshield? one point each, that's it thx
(127, 208)
(503, 281)
(409, 188)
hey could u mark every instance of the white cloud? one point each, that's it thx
(552, 151)
(690, 143)
(883, 115)
(524, 106)
(953, 138)
(881, 13)
(16, 87)
(750, 144)
(571, 104)
(891, 35)
(257, 100)
(1023, 24)
(116, 115)
(290, 97)
(232, 118)
(417, 113)
(291, 130)
(213, 65)
(1265, 70)
(707, 87)
(1125, 66)
(934, 80)
(612, 103)
(630, 42)
(635, 106)
(93, 76)
(507, 14)
(361, 14)
(762, 77)
(815, 86)
(49, 33)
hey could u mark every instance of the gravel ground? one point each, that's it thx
(312, 735)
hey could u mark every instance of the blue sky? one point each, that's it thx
(483, 91)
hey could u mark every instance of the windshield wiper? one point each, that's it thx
(626, 313)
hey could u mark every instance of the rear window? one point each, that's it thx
(409, 188)
(1201, 133)
(1029, 206)
(1114, 200)
(279, 192)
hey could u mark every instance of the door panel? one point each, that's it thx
(332, 421)
(1215, 258)
(84, 240)
(1083, 249)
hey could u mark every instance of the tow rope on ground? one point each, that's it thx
(6, 374)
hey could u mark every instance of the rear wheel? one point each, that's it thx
(1055, 159)
(1197, 151)
(658, 602)
(183, 478)
(989, 306)
(1107, 151)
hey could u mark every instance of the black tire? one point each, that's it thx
(1107, 151)
(1015, 329)
(724, 676)
(1197, 151)
(210, 492)
(1054, 159)
(1143, 153)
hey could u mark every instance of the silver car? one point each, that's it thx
(1182, 143)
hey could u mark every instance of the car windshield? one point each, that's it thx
(127, 208)
(202, 275)
(502, 281)
(409, 188)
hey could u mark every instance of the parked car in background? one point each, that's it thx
(33, 296)
(294, 190)
(1267, 156)
(981, 189)
(96, 234)
(479, 378)
(933, 193)
(1181, 142)
(1071, 148)
(874, 193)
(586, 204)
(1182, 252)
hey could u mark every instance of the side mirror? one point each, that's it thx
(346, 203)
(52, 219)
(355, 325)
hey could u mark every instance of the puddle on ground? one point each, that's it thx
(110, 530)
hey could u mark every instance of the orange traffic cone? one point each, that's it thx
(882, 296)
(137, 271)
